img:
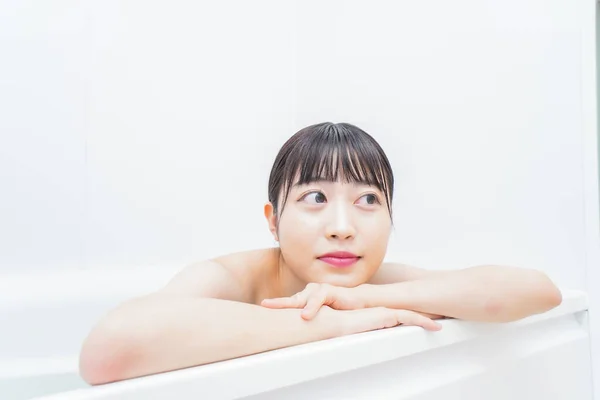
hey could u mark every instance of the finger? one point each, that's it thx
(283, 302)
(406, 317)
(313, 304)
(296, 301)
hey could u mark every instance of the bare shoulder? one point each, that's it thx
(234, 276)
(391, 272)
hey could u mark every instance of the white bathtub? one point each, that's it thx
(44, 318)
(544, 356)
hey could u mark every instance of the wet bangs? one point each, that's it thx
(331, 152)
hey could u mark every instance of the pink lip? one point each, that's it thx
(340, 254)
(339, 262)
(340, 259)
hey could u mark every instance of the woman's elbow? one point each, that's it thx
(551, 295)
(538, 296)
(541, 296)
(104, 358)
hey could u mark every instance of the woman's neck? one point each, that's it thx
(283, 279)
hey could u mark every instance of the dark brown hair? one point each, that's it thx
(324, 152)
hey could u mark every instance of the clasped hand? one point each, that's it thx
(317, 295)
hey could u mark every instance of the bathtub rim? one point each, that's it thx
(373, 347)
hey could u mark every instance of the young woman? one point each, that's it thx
(330, 196)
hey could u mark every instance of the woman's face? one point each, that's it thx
(324, 217)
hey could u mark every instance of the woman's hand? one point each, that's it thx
(349, 304)
(349, 322)
(374, 318)
(317, 295)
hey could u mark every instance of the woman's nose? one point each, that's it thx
(339, 224)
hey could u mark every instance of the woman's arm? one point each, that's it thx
(184, 325)
(161, 332)
(485, 293)
(200, 317)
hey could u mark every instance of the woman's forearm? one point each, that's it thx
(159, 333)
(486, 293)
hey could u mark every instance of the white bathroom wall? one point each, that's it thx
(590, 72)
(138, 133)
(42, 134)
(142, 133)
(478, 105)
(188, 104)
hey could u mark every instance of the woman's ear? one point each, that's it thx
(271, 219)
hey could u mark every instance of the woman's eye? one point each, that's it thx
(315, 198)
(369, 199)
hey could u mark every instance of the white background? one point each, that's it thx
(141, 134)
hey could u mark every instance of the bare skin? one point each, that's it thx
(167, 330)
(214, 310)
(257, 275)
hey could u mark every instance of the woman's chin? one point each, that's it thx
(345, 280)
